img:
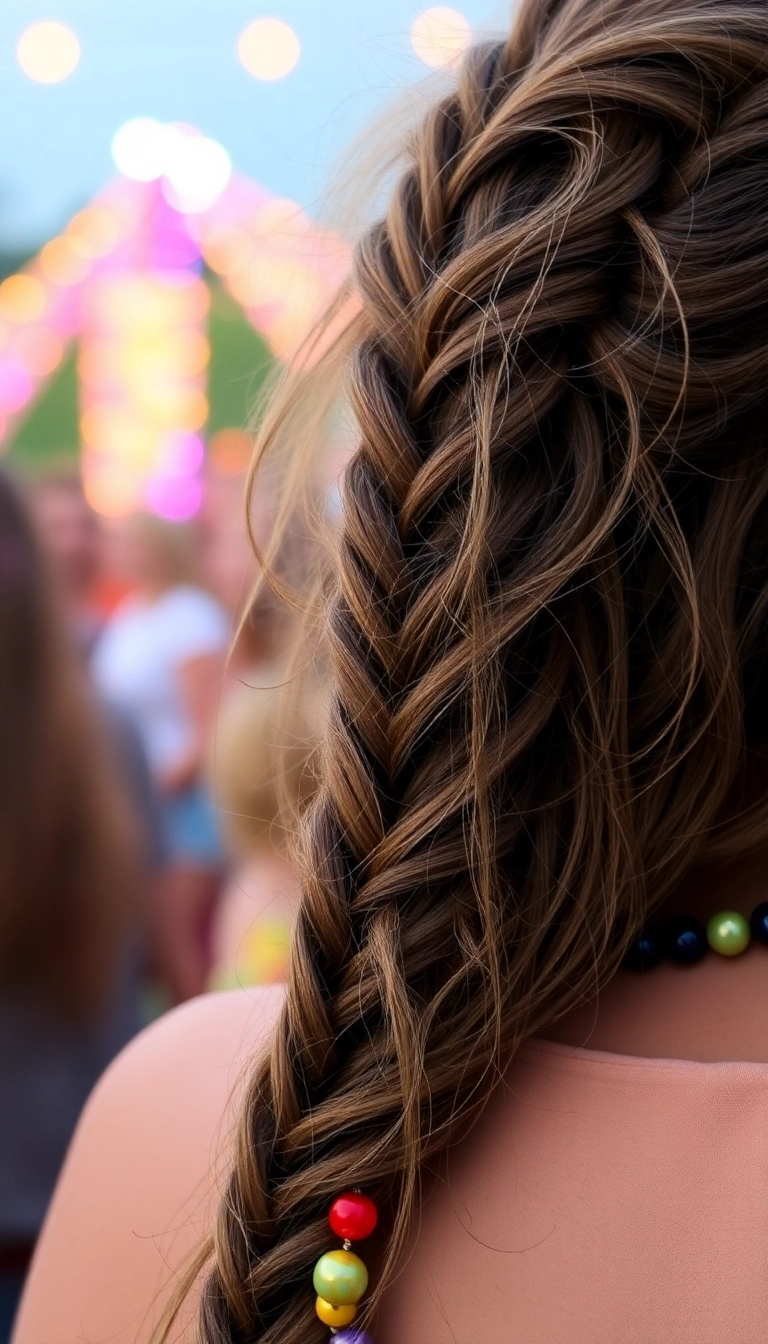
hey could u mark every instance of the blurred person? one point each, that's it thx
(70, 895)
(161, 657)
(261, 762)
(226, 554)
(72, 535)
(232, 570)
(261, 774)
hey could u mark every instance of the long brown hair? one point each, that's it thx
(549, 612)
(68, 863)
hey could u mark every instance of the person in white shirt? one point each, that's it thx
(161, 655)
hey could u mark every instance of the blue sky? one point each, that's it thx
(176, 60)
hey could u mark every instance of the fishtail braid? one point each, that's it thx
(550, 576)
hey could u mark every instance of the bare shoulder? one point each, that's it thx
(143, 1173)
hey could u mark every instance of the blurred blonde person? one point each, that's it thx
(161, 656)
(261, 773)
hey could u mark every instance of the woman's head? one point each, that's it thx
(261, 766)
(155, 554)
(550, 597)
(66, 846)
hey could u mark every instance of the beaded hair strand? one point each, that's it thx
(550, 578)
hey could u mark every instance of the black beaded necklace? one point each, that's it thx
(686, 940)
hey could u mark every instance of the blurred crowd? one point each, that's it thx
(144, 846)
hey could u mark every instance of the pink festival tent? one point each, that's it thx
(125, 280)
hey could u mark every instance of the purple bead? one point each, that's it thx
(351, 1336)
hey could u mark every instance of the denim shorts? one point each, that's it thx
(192, 827)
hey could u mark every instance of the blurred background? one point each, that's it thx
(171, 225)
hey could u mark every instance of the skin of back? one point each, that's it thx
(143, 1174)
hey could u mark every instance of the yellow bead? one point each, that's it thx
(336, 1317)
(340, 1277)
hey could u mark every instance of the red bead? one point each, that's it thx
(352, 1216)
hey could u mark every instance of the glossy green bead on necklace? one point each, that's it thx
(728, 933)
(684, 939)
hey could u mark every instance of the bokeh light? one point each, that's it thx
(40, 348)
(60, 264)
(268, 49)
(182, 454)
(48, 51)
(440, 35)
(193, 352)
(170, 403)
(281, 216)
(92, 233)
(174, 497)
(22, 298)
(16, 385)
(109, 487)
(228, 249)
(142, 363)
(139, 149)
(197, 169)
(230, 452)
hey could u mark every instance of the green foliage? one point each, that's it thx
(240, 362)
(49, 432)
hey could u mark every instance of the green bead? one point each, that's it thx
(340, 1277)
(728, 933)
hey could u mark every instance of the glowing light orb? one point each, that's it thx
(281, 217)
(110, 489)
(48, 51)
(16, 386)
(22, 298)
(193, 353)
(227, 249)
(95, 424)
(40, 349)
(197, 170)
(139, 149)
(60, 264)
(93, 232)
(182, 454)
(171, 404)
(230, 452)
(174, 497)
(268, 49)
(440, 35)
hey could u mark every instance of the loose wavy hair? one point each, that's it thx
(70, 877)
(548, 619)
